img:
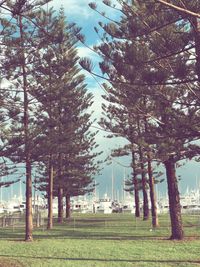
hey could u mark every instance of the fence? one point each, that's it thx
(113, 222)
(18, 220)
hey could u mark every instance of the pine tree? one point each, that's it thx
(64, 102)
(19, 43)
(122, 120)
(151, 57)
(7, 111)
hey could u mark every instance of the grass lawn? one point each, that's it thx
(102, 240)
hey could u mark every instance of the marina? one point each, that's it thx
(190, 203)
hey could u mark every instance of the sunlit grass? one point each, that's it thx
(103, 240)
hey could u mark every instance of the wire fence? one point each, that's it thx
(18, 220)
(101, 222)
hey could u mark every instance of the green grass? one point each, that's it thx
(102, 240)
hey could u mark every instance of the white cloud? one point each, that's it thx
(75, 7)
(84, 51)
(96, 107)
(80, 8)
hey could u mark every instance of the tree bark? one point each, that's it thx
(154, 213)
(29, 216)
(68, 211)
(60, 188)
(174, 200)
(50, 195)
(60, 205)
(51, 171)
(137, 199)
(136, 191)
(144, 187)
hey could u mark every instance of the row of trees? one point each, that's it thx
(151, 59)
(151, 67)
(45, 114)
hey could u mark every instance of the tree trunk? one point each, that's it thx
(29, 216)
(137, 199)
(144, 187)
(50, 195)
(68, 211)
(136, 191)
(60, 188)
(174, 200)
(154, 213)
(60, 205)
(51, 171)
(151, 178)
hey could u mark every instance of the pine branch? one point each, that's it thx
(177, 8)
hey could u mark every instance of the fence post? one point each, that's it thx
(38, 220)
(4, 221)
(135, 223)
(13, 224)
(74, 224)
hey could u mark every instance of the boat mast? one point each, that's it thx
(124, 185)
(112, 182)
(20, 190)
(95, 191)
(11, 192)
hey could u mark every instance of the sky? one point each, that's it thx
(79, 12)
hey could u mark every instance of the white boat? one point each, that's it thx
(104, 205)
(190, 202)
(128, 208)
(81, 204)
(128, 204)
(16, 204)
(2, 208)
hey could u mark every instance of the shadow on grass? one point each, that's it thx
(7, 234)
(21, 238)
(80, 234)
(100, 260)
(90, 233)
